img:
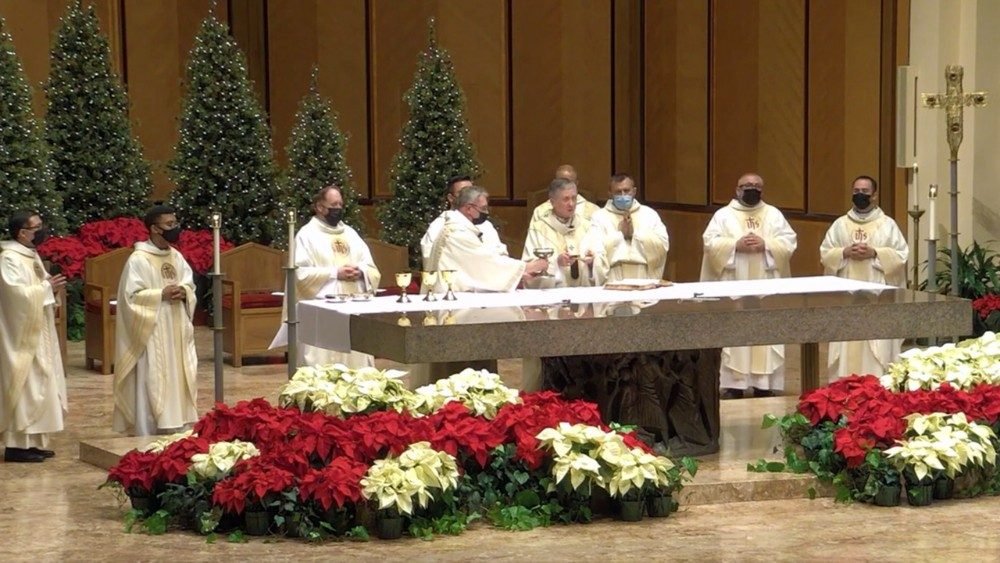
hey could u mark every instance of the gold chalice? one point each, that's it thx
(544, 253)
(402, 282)
(430, 280)
(448, 277)
(403, 320)
(430, 319)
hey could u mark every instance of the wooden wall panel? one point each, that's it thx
(158, 39)
(627, 76)
(561, 88)
(475, 35)
(676, 102)
(248, 25)
(758, 98)
(331, 35)
(843, 100)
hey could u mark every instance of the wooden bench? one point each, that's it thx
(101, 275)
(251, 314)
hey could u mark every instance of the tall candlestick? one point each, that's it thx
(932, 204)
(216, 246)
(914, 200)
(291, 238)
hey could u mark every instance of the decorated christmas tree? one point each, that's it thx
(316, 158)
(25, 175)
(98, 165)
(434, 146)
(223, 159)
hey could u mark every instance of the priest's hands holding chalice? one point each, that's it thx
(750, 243)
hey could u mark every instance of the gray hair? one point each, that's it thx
(559, 184)
(469, 195)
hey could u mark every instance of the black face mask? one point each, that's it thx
(483, 217)
(861, 201)
(172, 235)
(41, 235)
(333, 216)
(750, 197)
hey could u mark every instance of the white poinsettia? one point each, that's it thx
(157, 446)
(963, 366)
(482, 391)
(944, 443)
(221, 458)
(339, 390)
(397, 481)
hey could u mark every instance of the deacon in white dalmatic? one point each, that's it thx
(628, 239)
(32, 381)
(156, 365)
(749, 240)
(866, 245)
(561, 228)
(332, 258)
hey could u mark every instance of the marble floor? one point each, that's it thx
(54, 512)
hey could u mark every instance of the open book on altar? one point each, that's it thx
(637, 284)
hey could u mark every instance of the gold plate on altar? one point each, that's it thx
(637, 284)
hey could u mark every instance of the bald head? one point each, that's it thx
(566, 172)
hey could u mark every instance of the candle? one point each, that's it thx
(932, 223)
(291, 238)
(216, 247)
(914, 200)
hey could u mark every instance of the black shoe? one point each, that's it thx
(18, 455)
(44, 453)
(764, 392)
(728, 394)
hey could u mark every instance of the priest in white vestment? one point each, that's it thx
(628, 239)
(749, 240)
(463, 248)
(332, 259)
(866, 245)
(490, 235)
(584, 207)
(562, 229)
(156, 364)
(32, 380)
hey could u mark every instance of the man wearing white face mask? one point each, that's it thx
(749, 240)
(628, 239)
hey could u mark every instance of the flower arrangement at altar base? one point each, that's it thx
(480, 390)
(930, 421)
(308, 473)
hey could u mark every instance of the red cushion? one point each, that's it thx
(254, 300)
(95, 307)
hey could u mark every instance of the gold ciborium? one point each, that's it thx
(430, 280)
(402, 282)
(545, 254)
(448, 277)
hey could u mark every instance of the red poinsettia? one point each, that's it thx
(173, 463)
(196, 247)
(251, 482)
(250, 421)
(520, 423)
(69, 253)
(841, 398)
(382, 433)
(122, 232)
(986, 305)
(323, 436)
(335, 485)
(134, 471)
(454, 429)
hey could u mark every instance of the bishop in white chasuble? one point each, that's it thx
(561, 228)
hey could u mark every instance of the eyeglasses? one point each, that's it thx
(751, 186)
(35, 228)
(169, 226)
(484, 210)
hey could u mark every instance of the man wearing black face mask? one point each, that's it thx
(32, 380)
(480, 266)
(866, 245)
(156, 365)
(749, 240)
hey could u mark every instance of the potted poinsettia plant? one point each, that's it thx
(401, 484)
(342, 391)
(482, 391)
(883, 482)
(134, 476)
(221, 458)
(250, 490)
(334, 488)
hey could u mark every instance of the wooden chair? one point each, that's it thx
(390, 260)
(251, 315)
(101, 275)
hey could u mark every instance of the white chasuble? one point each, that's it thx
(478, 263)
(549, 231)
(644, 256)
(757, 366)
(880, 232)
(32, 380)
(156, 364)
(320, 251)
(491, 238)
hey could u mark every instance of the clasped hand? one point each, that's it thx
(348, 273)
(173, 292)
(859, 251)
(750, 243)
(626, 227)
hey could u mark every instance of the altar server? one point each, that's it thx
(32, 381)
(866, 245)
(156, 365)
(749, 240)
(629, 240)
(562, 228)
